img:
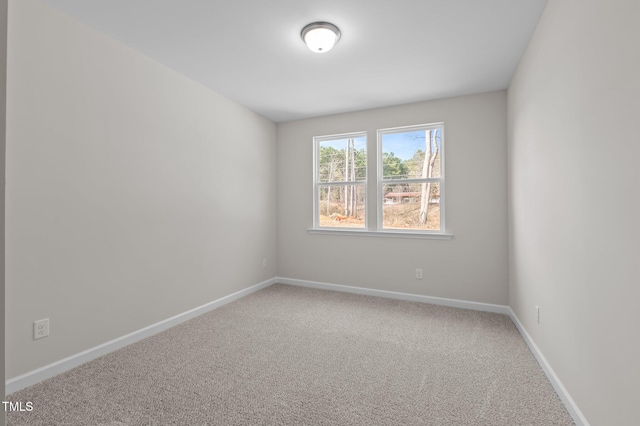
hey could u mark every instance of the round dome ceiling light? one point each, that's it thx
(320, 37)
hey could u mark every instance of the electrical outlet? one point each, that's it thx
(537, 314)
(264, 263)
(40, 328)
(418, 274)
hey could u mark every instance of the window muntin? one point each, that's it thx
(411, 179)
(340, 175)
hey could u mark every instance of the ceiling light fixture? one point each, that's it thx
(320, 37)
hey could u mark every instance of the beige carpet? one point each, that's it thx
(295, 356)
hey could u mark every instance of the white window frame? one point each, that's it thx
(378, 231)
(317, 184)
(381, 182)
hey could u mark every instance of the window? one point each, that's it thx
(409, 181)
(411, 178)
(340, 181)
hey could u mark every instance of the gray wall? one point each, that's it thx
(3, 121)
(133, 193)
(472, 266)
(574, 189)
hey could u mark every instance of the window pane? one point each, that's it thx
(412, 154)
(342, 205)
(407, 206)
(342, 160)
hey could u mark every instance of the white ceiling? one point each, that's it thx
(391, 52)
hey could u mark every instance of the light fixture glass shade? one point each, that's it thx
(320, 37)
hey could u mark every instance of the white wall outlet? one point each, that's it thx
(537, 314)
(418, 274)
(40, 328)
(264, 263)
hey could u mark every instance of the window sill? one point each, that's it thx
(384, 234)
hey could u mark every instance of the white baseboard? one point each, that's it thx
(454, 303)
(32, 377)
(569, 403)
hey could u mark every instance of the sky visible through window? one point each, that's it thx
(338, 144)
(404, 145)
